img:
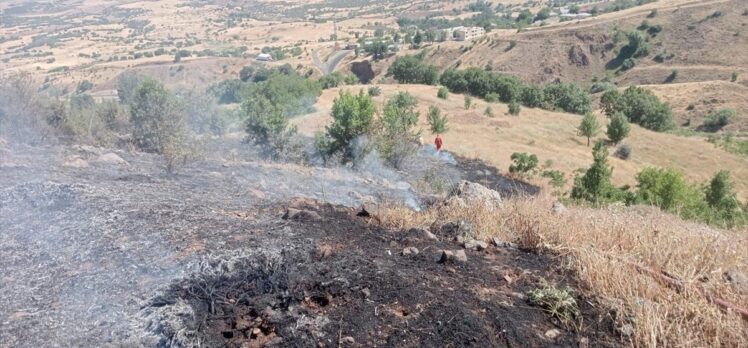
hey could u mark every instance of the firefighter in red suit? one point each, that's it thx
(438, 143)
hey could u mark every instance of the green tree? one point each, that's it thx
(417, 39)
(397, 139)
(618, 128)
(589, 127)
(352, 117)
(127, 83)
(721, 196)
(155, 116)
(595, 184)
(664, 188)
(514, 108)
(246, 73)
(438, 123)
(523, 163)
(442, 93)
(609, 101)
(412, 69)
(568, 97)
(640, 106)
(267, 125)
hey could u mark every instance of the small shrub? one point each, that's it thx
(523, 163)
(652, 14)
(489, 111)
(623, 152)
(556, 178)
(514, 108)
(559, 303)
(351, 79)
(375, 91)
(468, 102)
(628, 64)
(673, 75)
(734, 77)
(437, 122)
(717, 120)
(443, 93)
(492, 97)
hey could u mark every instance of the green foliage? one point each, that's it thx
(567, 97)
(293, 94)
(628, 64)
(559, 303)
(721, 196)
(246, 73)
(203, 116)
(412, 69)
(556, 178)
(543, 14)
(489, 111)
(468, 102)
(491, 97)
(127, 83)
(640, 106)
(589, 127)
(227, 91)
(532, 96)
(331, 81)
(623, 152)
(155, 116)
(523, 163)
(438, 123)
(397, 139)
(267, 125)
(618, 128)
(718, 119)
(352, 117)
(595, 184)
(665, 188)
(84, 86)
(351, 79)
(734, 77)
(375, 91)
(514, 108)
(443, 93)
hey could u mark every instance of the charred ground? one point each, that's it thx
(101, 248)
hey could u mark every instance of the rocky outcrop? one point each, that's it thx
(471, 194)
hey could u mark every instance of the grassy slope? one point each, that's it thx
(550, 135)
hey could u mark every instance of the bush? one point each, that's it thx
(84, 86)
(523, 163)
(489, 111)
(595, 184)
(246, 73)
(628, 64)
(514, 108)
(589, 127)
(556, 178)
(412, 69)
(721, 196)
(331, 81)
(734, 77)
(718, 119)
(623, 152)
(468, 102)
(438, 123)
(127, 83)
(532, 96)
(352, 117)
(375, 91)
(640, 106)
(567, 97)
(351, 79)
(491, 97)
(602, 86)
(156, 117)
(664, 188)
(673, 75)
(442, 93)
(227, 91)
(619, 128)
(267, 125)
(397, 140)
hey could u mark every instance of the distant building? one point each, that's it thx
(264, 57)
(468, 33)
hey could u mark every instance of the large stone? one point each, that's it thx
(111, 158)
(460, 256)
(473, 194)
(409, 251)
(459, 230)
(476, 245)
(301, 215)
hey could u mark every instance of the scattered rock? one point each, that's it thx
(736, 278)
(578, 57)
(348, 340)
(410, 251)
(460, 256)
(502, 244)
(558, 208)
(476, 245)
(459, 231)
(301, 215)
(445, 256)
(421, 234)
(324, 251)
(552, 333)
(366, 292)
(476, 194)
(75, 162)
(111, 158)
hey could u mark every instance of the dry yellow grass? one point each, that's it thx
(599, 245)
(551, 136)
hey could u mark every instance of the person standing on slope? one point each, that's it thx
(438, 142)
